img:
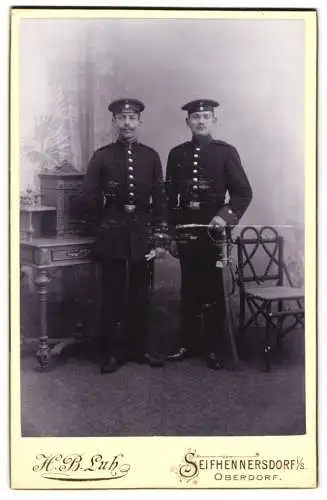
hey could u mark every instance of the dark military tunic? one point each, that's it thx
(124, 203)
(202, 173)
(124, 199)
(199, 174)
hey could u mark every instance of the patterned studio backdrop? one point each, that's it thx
(71, 69)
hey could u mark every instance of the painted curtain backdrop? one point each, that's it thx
(71, 68)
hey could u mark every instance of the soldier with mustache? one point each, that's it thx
(126, 208)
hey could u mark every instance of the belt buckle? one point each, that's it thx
(194, 205)
(129, 207)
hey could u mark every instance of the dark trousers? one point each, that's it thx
(202, 310)
(124, 326)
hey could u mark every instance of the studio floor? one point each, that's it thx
(181, 399)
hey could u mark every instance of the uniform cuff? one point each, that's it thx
(228, 215)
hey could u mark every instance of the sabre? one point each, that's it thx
(183, 226)
(224, 242)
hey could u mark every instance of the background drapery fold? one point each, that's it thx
(71, 68)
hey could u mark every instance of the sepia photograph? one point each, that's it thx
(161, 168)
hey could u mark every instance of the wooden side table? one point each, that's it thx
(45, 254)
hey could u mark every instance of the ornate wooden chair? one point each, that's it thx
(265, 287)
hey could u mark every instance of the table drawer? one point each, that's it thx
(70, 253)
(54, 254)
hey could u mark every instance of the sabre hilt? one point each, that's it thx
(160, 237)
(219, 236)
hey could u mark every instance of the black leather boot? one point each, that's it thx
(179, 355)
(214, 361)
(151, 360)
(109, 365)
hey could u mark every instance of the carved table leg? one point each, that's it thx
(43, 353)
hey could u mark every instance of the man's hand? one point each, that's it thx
(151, 255)
(155, 253)
(217, 223)
(173, 249)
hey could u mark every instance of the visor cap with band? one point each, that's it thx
(126, 105)
(200, 105)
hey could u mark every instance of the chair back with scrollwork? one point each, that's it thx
(260, 256)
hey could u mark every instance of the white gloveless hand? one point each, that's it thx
(150, 255)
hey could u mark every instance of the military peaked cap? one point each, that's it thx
(126, 105)
(200, 105)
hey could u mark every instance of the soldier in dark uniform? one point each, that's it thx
(126, 207)
(199, 174)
